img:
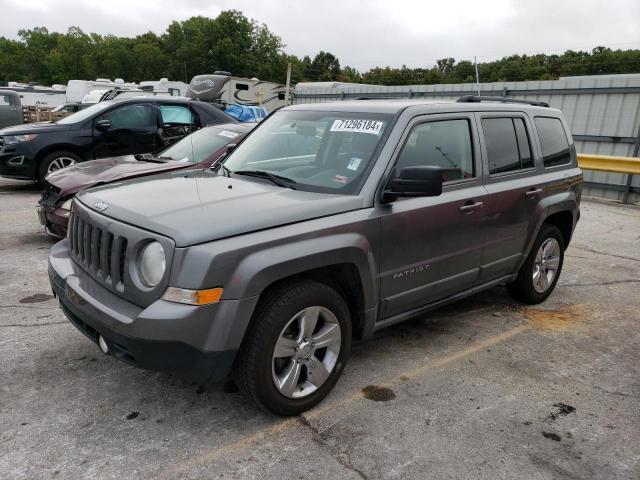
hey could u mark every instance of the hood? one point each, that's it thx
(83, 175)
(201, 206)
(38, 127)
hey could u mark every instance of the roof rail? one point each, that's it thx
(480, 98)
(375, 98)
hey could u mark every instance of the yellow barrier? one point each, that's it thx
(609, 163)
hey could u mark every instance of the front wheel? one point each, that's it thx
(56, 161)
(540, 272)
(296, 348)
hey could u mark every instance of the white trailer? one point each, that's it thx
(164, 86)
(77, 89)
(33, 95)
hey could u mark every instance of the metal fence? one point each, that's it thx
(603, 113)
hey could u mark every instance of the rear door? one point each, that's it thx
(431, 246)
(126, 129)
(512, 181)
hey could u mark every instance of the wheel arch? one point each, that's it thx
(58, 147)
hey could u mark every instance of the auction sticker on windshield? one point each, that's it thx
(357, 126)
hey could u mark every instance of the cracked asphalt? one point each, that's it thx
(485, 388)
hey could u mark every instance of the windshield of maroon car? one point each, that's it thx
(329, 152)
(199, 145)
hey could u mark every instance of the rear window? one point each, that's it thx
(553, 140)
(176, 114)
(507, 143)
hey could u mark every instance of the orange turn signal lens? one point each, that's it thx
(193, 297)
(204, 297)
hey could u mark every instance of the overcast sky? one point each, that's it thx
(364, 33)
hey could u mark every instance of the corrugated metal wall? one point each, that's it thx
(603, 113)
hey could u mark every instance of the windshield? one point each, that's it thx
(84, 114)
(199, 145)
(320, 151)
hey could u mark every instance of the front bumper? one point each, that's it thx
(16, 163)
(55, 220)
(194, 342)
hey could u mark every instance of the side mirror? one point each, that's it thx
(421, 181)
(231, 147)
(103, 125)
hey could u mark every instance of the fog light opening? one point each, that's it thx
(102, 343)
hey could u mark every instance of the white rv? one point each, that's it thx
(35, 95)
(77, 89)
(164, 86)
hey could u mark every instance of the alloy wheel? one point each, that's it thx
(306, 352)
(60, 163)
(545, 267)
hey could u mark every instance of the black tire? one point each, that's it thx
(50, 158)
(253, 367)
(523, 288)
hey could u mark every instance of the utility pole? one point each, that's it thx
(477, 75)
(286, 93)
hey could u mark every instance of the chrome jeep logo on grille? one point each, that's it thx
(100, 206)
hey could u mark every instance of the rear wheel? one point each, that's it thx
(540, 272)
(56, 161)
(296, 348)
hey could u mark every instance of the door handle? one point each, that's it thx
(534, 192)
(470, 207)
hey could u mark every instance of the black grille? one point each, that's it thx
(100, 252)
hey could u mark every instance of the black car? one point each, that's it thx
(106, 129)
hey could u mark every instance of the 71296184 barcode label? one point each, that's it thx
(357, 126)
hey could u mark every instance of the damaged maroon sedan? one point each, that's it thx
(199, 150)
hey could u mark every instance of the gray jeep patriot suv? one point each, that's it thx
(327, 222)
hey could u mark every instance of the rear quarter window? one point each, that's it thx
(553, 140)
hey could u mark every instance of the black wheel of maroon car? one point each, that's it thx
(296, 348)
(56, 161)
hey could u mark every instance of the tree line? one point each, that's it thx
(244, 47)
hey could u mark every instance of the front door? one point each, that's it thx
(125, 130)
(432, 245)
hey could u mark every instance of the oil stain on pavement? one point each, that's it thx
(377, 393)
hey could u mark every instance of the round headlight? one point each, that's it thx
(152, 264)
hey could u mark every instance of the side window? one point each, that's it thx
(445, 143)
(553, 140)
(507, 142)
(176, 115)
(131, 116)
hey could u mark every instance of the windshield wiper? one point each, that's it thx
(147, 157)
(277, 179)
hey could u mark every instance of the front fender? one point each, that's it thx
(262, 268)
